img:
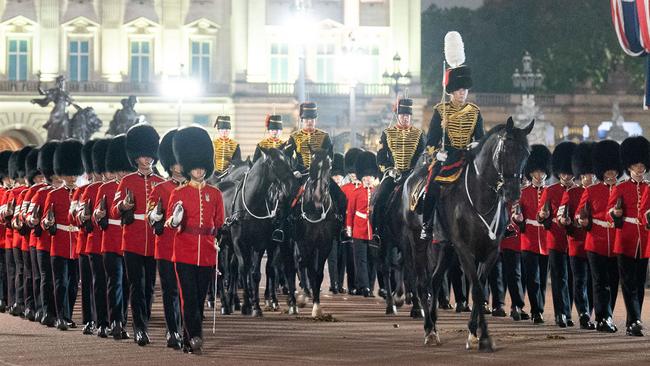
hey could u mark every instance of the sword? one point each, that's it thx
(216, 278)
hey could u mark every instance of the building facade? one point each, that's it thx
(245, 54)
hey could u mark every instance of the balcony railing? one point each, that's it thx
(329, 89)
(103, 87)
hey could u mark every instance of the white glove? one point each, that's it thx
(99, 214)
(73, 208)
(348, 231)
(441, 156)
(472, 145)
(154, 217)
(177, 215)
(297, 174)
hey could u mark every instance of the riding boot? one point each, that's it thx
(428, 210)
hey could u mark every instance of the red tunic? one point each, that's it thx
(138, 236)
(3, 202)
(17, 196)
(65, 239)
(348, 188)
(358, 213)
(533, 239)
(577, 237)
(600, 239)
(512, 242)
(112, 236)
(43, 242)
(204, 215)
(631, 238)
(94, 238)
(82, 235)
(556, 237)
(26, 208)
(164, 244)
(9, 231)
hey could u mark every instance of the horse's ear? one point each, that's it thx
(510, 124)
(529, 128)
(264, 151)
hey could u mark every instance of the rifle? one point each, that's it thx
(517, 211)
(618, 221)
(159, 226)
(548, 220)
(11, 205)
(87, 224)
(585, 214)
(50, 218)
(128, 215)
(38, 230)
(569, 228)
(103, 222)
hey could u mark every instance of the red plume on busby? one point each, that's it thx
(273, 122)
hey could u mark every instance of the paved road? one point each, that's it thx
(362, 335)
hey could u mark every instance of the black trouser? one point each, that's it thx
(336, 264)
(64, 279)
(19, 298)
(349, 265)
(361, 264)
(10, 264)
(456, 278)
(194, 282)
(87, 295)
(28, 283)
(170, 296)
(99, 289)
(443, 293)
(512, 276)
(3, 276)
(582, 293)
(36, 280)
(74, 286)
(116, 283)
(47, 282)
(558, 265)
(495, 286)
(632, 272)
(536, 268)
(604, 274)
(141, 272)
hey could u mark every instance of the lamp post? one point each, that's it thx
(396, 78)
(179, 88)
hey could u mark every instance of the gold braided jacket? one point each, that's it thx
(306, 140)
(461, 121)
(270, 142)
(224, 149)
(403, 144)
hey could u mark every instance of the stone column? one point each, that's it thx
(49, 45)
(239, 39)
(174, 49)
(112, 50)
(258, 53)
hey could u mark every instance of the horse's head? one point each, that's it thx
(502, 155)
(321, 165)
(279, 169)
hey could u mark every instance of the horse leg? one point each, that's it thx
(269, 279)
(234, 284)
(318, 269)
(245, 268)
(288, 255)
(272, 273)
(385, 269)
(417, 311)
(441, 254)
(256, 277)
(222, 282)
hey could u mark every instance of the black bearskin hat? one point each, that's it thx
(193, 149)
(20, 161)
(562, 155)
(116, 158)
(606, 155)
(338, 165)
(12, 166)
(273, 122)
(87, 156)
(405, 106)
(539, 159)
(67, 158)
(366, 164)
(46, 158)
(223, 123)
(166, 151)
(142, 140)
(635, 150)
(308, 110)
(99, 155)
(458, 78)
(350, 158)
(4, 163)
(581, 162)
(31, 165)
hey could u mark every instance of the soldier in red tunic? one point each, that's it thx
(358, 224)
(196, 213)
(533, 237)
(592, 215)
(631, 237)
(130, 204)
(4, 184)
(117, 166)
(511, 262)
(350, 183)
(556, 235)
(57, 220)
(164, 242)
(582, 168)
(40, 239)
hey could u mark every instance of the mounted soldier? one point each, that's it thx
(273, 123)
(226, 149)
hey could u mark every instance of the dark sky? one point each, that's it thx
(451, 3)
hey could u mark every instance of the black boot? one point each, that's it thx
(585, 322)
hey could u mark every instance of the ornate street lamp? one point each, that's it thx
(527, 80)
(396, 78)
(180, 87)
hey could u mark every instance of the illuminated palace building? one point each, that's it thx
(248, 57)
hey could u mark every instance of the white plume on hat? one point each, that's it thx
(454, 49)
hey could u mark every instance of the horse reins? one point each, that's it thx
(269, 213)
(324, 212)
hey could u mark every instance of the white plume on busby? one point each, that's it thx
(454, 49)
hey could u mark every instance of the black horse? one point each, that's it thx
(471, 214)
(259, 198)
(317, 223)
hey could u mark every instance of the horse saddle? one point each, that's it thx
(451, 172)
(417, 194)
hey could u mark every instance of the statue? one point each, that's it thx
(84, 123)
(617, 131)
(58, 125)
(124, 118)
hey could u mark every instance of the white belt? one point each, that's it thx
(533, 222)
(631, 220)
(601, 223)
(361, 214)
(68, 228)
(114, 222)
(138, 217)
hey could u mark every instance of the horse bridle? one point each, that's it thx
(324, 211)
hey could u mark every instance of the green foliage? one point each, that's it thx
(570, 44)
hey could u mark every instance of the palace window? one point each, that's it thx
(279, 63)
(18, 59)
(325, 61)
(371, 73)
(140, 61)
(78, 60)
(200, 61)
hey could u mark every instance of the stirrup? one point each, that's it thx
(278, 235)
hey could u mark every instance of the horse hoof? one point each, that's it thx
(301, 300)
(486, 345)
(398, 300)
(316, 311)
(472, 342)
(417, 313)
(391, 310)
(257, 313)
(432, 339)
(293, 310)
